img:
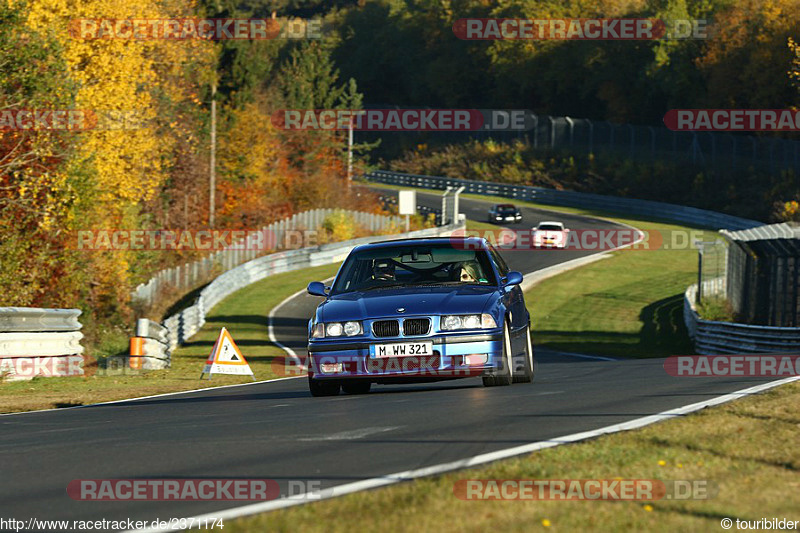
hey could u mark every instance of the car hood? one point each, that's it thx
(383, 303)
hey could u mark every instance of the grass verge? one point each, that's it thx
(243, 313)
(739, 448)
(628, 305)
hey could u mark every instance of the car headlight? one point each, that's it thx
(334, 329)
(471, 321)
(352, 328)
(453, 322)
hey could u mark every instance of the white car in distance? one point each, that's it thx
(550, 234)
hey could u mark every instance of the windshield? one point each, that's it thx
(550, 227)
(506, 209)
(413, 265)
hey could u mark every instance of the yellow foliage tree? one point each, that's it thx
(128, 164)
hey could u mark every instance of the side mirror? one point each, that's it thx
(317, 288)
(513, 278)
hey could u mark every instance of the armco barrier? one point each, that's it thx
(658, 210)
(181, 326)
(713, 337)
(35, 319)
(189, 275)
(40, 342)
(155, 345)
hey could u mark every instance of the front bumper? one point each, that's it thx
(454, 356)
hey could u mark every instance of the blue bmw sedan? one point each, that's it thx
(417, 310)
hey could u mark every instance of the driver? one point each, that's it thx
(383, 270)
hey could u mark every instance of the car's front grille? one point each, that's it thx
(416, 326)
(386, 328)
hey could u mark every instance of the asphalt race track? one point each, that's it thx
(276, 430)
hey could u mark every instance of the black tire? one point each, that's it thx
(504, 376)
(322, 388)
(356, 387)
(527, 374)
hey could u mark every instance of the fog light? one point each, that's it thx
(476, 359)
(331, 368)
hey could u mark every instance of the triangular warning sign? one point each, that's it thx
(226, 358)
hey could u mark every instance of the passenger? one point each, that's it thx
(469, 273)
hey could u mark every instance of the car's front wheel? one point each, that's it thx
(322, 388)
(503, 376)
(527, 374)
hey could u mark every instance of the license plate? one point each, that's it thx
(401, 349)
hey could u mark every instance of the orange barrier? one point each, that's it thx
(137, 351)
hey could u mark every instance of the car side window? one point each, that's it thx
(502, 267)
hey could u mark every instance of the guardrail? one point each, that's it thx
(181, 326)
(189, 275)
(155, 345)
(40, 342)
(658, 210)
(714, 337)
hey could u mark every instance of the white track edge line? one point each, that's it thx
(124, 400)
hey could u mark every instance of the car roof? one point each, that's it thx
(471, 241)
(505, 205)
(551, 222)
